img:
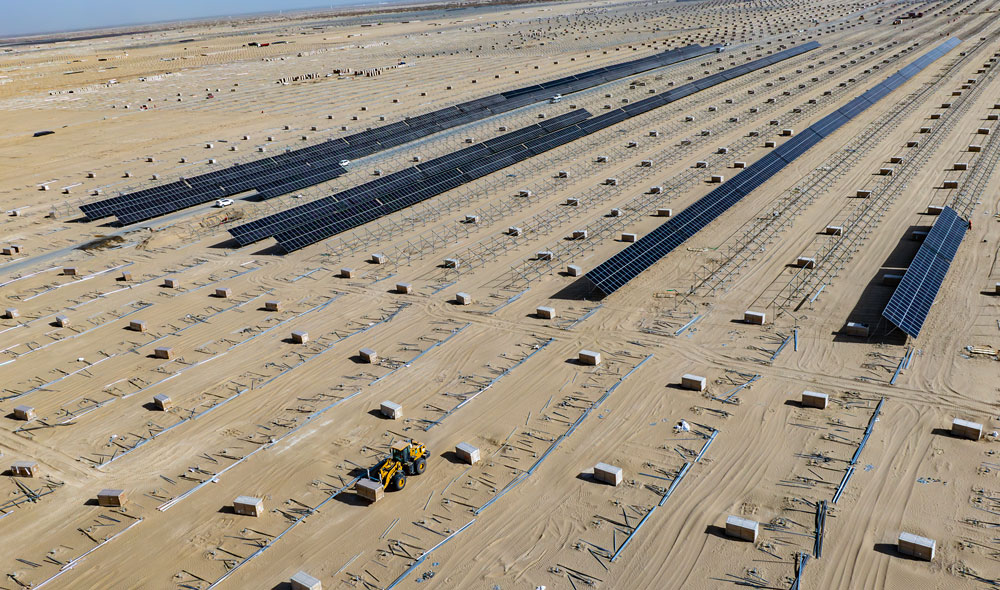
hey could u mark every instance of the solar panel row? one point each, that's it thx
(621, 268)
(911, 301)
(294, 231)
(470, 163)
(277, 173)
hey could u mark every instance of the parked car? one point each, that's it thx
(223, 202)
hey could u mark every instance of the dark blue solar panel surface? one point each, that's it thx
(293, 238)
(270, 176)
(911, 301)
(621, 268)
(425, 180)
(326, 221)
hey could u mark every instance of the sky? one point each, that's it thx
(20, 17)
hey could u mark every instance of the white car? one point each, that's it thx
(224, 202)
(555, 99)
(345, 162)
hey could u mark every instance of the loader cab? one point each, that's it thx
(401, 452)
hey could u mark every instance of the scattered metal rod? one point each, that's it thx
(555, 443)
(801, 560)
(843, 484)
(666, 495)
(423, 557)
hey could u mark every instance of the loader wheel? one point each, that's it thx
(420, 465)
(398, 482)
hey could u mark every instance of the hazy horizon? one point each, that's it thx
(63, 16)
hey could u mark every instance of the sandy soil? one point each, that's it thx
(253, 413)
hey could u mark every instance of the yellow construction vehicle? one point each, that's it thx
(406, 458)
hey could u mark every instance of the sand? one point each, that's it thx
(254, 414)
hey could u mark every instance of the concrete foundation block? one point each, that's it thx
(966, 429)
(369, 490)
(916, 546)
(111, 498)
(814, 399)
(694, 382)
(26, 413)
(742, 528)
(24, 468)
(856, 329)
(248, 506)
(546, 313)
(391, 410)
(303, 581)
(608, 474)
(467, 453)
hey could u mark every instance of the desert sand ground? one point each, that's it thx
(295, 424)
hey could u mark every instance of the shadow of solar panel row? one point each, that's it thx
(454, 166)
(624, 266)
(911, 301)
(287, 223)
(368, 142)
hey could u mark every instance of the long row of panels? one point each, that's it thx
(281, 174)
(406, 180)
(624, 266)
(911, 301)
(313, 222)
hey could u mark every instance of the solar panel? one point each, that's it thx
(621, 268)
(360, 211)
(315, 230)
(425, 180)
(798, 145)
(174, 196)
(911, 301)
